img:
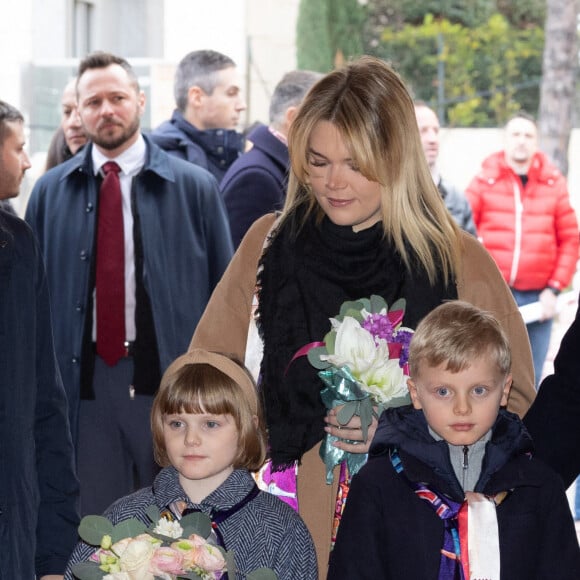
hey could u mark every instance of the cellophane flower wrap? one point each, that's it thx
(166, 550)
(363, 365)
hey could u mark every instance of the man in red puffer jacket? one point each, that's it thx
(523, 217)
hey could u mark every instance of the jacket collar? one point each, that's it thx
(167, 489)
(541, 169)
(156, 161)
(222, 145)
(427, 460)
(265, 141)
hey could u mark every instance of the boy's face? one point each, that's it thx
(460, 407)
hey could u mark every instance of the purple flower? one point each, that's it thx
(379, 326)
(403, 337)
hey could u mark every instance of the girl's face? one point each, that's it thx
(202, 447)
(347, 197)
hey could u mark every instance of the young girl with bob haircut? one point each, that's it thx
(362, 217)
(208, 436)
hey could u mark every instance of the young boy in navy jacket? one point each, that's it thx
(451, 489)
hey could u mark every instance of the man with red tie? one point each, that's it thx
(134, 241)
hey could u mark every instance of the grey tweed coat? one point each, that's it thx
(266, 532)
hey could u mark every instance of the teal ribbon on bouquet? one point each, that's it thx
(342, 389)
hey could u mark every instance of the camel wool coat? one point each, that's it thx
(224, 327)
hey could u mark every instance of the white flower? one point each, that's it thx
(168, 528)
(136, 558)
(368, 360)
(355, 347)
(386, 381)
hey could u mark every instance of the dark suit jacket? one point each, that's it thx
(38, 485)
(255, 184)
(554, 417)
(185, 249)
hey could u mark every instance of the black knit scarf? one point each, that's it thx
(304, 281)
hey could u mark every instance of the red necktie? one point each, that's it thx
(110, 270)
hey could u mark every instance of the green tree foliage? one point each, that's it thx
(346, 21)
(491, 49)
(471, 13)
(491, 70)
(523, 13)
(313, 46)
(327, 32)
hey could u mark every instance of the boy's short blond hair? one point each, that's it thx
(456, 334)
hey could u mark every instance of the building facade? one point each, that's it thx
(41, 42)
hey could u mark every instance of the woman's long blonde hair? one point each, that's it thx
(368, 103)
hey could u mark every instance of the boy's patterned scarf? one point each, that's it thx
(470, 548)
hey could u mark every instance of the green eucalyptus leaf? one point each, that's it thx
(398, 305)
(262, 574)
(230, 563)
(347, 412)
(378, 411)
(314, 357)
(344, 307)
(356, 314)
(350, 305)
(87, 571)
(153, 513)
(93, 528)
(330, 341)
(377, 304)
(196, 523)
(366, 417)
(128, 529)
(366, 304)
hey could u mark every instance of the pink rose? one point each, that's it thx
(209, 558)
(186, 547)
(197, 540)
(197, 552)
(167, 560)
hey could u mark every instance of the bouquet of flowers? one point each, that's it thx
(363, 364)
(167, 550)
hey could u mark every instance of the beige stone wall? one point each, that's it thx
(258, 34)
(271, 31)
